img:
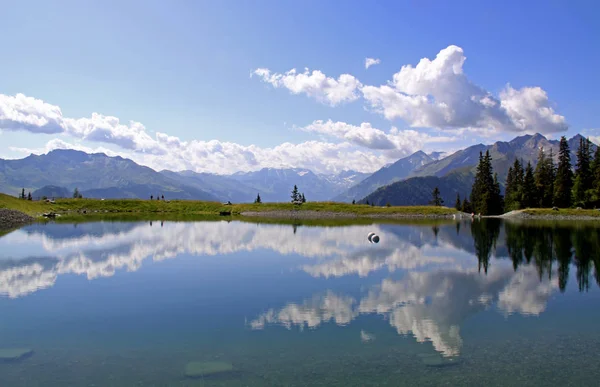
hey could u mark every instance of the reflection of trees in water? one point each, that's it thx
(485, 233)
(545, 244)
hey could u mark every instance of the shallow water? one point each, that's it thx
(131, 304)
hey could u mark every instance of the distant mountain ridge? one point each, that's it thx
(95, 175)
(386, 175)
(59, 172)
(100, 176)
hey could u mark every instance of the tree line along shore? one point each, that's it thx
(549, 185)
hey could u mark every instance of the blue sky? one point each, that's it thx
(182, 69)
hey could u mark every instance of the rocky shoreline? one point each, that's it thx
(339, 215)
(10, 219)
(520, 215)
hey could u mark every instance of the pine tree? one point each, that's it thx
(498, 200)
(563, 183)
(583, 182)
(436, 199)
(458, 203)
(509, 189)
(544, 179)
(22, 194)
(151, 197)
(295, 195)
(76, 193)
(466, 206)
(367, 203)
(258, 199)
(29, 196)
(529, 188)
(303, 198)
(539, 176)
(596, 172)
(551, 176)
(513, 195)
(485, 194)
(353, 201)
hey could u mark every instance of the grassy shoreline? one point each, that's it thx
(82, 207)
(77, 210)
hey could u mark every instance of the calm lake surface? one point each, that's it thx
(131, 304)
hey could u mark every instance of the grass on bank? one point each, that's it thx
(192, 207)
(561, 212)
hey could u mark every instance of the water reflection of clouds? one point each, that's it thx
(430, 306)
(103, 250)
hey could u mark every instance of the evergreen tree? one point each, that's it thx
(22, 194)
(151, 197)
(551, 176)
(539, 176)
(513, 195)
(485, 194)
(295, 195)
(563, 183)
(258, 199)
(458, 203)
(498, 199)
(303, 198)
(436, 199)
(367, 203)
(466, 206)
(529, 189)
(544, 179)
(509, 189)
(596, 173)
(583, 183)
(29, 196)
(76, 193)
(353, 201)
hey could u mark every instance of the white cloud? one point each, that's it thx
(530, 111)
(371, 62)
(26, 113)
(314, 84)
(404, 142)
(437, 94)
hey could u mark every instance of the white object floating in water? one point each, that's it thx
(373, 238)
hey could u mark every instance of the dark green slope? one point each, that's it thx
(417, 190)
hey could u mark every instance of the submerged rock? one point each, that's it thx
(437, 360)
(199, 369)
(14, 354)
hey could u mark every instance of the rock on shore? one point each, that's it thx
(13, 219)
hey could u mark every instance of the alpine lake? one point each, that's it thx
(241, 303)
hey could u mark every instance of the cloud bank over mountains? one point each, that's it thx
(434, 94)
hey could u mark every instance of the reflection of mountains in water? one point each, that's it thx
(98, 249)
(431, 306)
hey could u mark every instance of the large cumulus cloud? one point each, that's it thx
(437, 94)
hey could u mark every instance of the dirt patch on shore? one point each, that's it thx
(338, 215)
(521, 214)
(10, 219)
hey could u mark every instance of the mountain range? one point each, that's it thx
(100, 176)
(407, 181)
(454, 174)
